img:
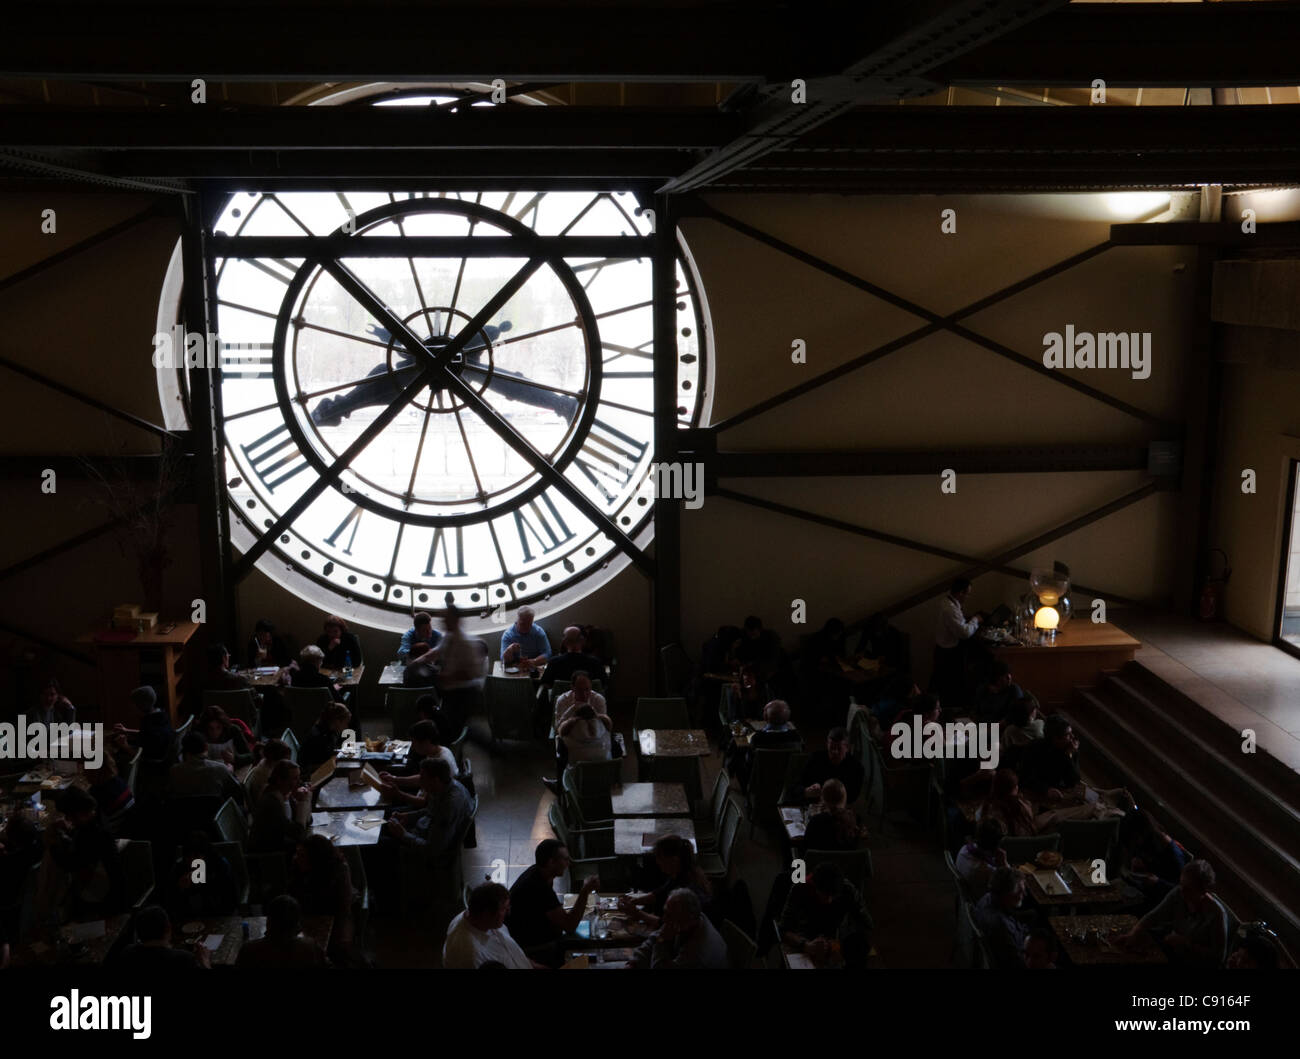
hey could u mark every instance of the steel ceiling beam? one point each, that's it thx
(1274, 235)
(1149, 44)
(1020, 459)
(296, 246)
(385, 41)
(914, 38)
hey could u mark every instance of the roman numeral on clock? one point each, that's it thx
(354, 520)
(609, 457)
(440, 545)
(247, 361)
(277, 459)
(541, 528)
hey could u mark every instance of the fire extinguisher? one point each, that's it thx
(1210, 605)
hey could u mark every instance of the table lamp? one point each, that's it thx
(1051, 591)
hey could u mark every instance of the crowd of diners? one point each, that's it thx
(744, 669)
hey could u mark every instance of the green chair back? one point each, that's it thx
(661, 713)
(234, 854)
(766, 784)
(728, 833)
(241, 703)
(292, 741)
(137, 868)
(741, 948)
(967, 946)
(510, 707)
(231, 824)
(593, 779)
(1026, 848)
(133, 771)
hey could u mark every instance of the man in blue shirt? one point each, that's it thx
(524, 643)
(421, 632)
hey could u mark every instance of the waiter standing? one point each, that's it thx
(948, 680)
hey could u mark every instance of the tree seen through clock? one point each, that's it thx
(398, 421)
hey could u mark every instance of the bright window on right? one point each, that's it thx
(1288, 604)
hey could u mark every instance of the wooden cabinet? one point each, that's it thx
(163, 660)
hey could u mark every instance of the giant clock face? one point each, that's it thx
(442, 426)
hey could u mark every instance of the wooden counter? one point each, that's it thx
(1081, 651)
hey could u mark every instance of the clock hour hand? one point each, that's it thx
(515, 387)
(383, 383)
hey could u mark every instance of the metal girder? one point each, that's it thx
(1148, 44)
(1281, 234)
(86, 399)
(425, 169)
(890, 538)
(296, 246)
(912, 39)
(936, 323)
(80, 172)
(139, 467)
(667, 589)
(1021, 459)
(80, 247)
(382, 41)
(423, 130)
(927, 149)
(49, 645)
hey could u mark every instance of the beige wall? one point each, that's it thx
(88, 322)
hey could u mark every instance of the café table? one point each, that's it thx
(223, 936)
(796, 961)
(349, 827)
(619, 930)
(393, 675)
(673, 742)
(1145, 951)
(265, 676)
(338, 795)
(635, 835)
(794, 818)
(599, 959)
(1072, 873)
(500, 669)
(649, 800)
(261, 676)
(98, 938)
(337, 676)
(394, 753)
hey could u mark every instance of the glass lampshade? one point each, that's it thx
(1046, 618)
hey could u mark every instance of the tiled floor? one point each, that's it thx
(911, 896)
(1247, 683)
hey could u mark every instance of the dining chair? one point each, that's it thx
(794, 774)
(741, 948)
(677, 668)
(231, 823)
(133, 771)
(304, 706)
(510, 708)
(594, 779)
(661, 713)
(234, 854)
(592, 808)
(458, 747)
(287, 737)
(855, 863)
(361, 884)
(708, 818)
(968, 945)
(717, 865)
(1024, 848)
(963, 888)
(766, 785)
(594, 861)
(240, 702)
(136, 859)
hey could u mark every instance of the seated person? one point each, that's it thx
(1022, 725)
(824, 917)
(581, 694)
(675, 859)
(923, 709)
(152, 950)
(428, 708)
(55, 707)
(537, 920)
(834, 763)
(339, 646)
(305, 673)
(1005, 804)
(218, 676)
(84, 852)
(321, 882)
(1050, 772)
(982, 856)
(995, 697)
(266, 648)
(573, 659)
(685, 940)
(426, 744)
(325, 737)
(154, 738)
(227, 741)
(273, 751)
(524, 644)
(283, 946)
(282, 815)
(759, 648)
(1151, 860)
(747, 696)
(1256, 949)
(777, 732)
(433, 830)
(185, 897)
(479, 934)
(1190, 923)
(596, 735)
(420, 632)
(114, 798)
(1040, 950)
(883, 642)
(197, 776)
(832, 825)
(995, 914)
(585, 734)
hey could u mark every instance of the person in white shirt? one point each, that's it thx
(580, 697)
(479, 935)
(948, 680)
(586, 735)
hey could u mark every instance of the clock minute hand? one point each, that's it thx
(382, 385)
(516, 387)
